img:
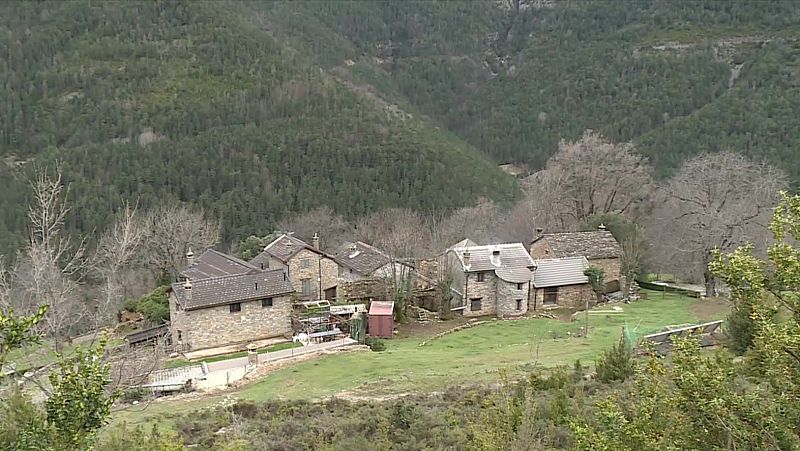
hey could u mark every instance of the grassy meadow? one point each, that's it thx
(483, 354)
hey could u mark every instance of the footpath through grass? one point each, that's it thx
(475, 355)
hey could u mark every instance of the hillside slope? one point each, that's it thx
(674, 77)
(256, 110)
(198, 102)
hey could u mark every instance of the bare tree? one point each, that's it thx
(171, 230)
(716, 201)
(117, 250)
(333, 230)
(475, 223)
(594, 176)
(51, 269)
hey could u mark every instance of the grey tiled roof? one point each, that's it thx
(231, 289)
(557, 272)
(364, 260)
(594, 244)
(212, 263)
(515, 275)
(511, 256)
(284, 248)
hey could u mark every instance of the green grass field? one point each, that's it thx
(475, 355)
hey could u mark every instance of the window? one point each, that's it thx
(519, 304)
(550, 296)
(180, 335)
(519, 287)
(481, 276)
(306, 287)
(237, 307)
(475, 304)
(305, 263)
(267, 302)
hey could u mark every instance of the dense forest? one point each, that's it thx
(255, 111)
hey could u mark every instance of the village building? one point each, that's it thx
(599, 247)
(367, 272)
(313, 273)
(359, 260)
(231, 309)
(561, 282)
(213, 263)
(489, 280)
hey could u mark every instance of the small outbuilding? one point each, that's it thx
(381, 319)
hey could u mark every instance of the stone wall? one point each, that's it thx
(217, 326)
(540, 250)
(328, 277)
(572, 296)
(487, 290)
(507, 296)
(612, 268)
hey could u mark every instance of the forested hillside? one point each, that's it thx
(258, 110)
(197, 102)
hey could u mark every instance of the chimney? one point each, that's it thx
(466, 259)
(315, 241)
(187, 287)
(189, 257)
(496, 257)
(539, 232)
(601, 226)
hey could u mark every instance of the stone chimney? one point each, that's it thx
(189, 257)
(601, 226)
(466, 259)
(187, 290)
(539, 232)
(315, 241)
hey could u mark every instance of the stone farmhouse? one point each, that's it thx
(228, 308)
(599, 247)
(367, 272)
(359, 260)
(560, 282)
(213, 263)
(313, 273)
(490, 280)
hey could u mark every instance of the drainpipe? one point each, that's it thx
(319, 274)
(466, 293)
(529, 296)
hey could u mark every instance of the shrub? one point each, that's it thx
(616, 364)
(740, 328)
(375, 344)
(154, 306)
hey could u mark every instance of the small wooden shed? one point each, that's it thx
(381, 319)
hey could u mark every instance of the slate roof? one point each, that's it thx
(364, 260)
(237, 288)
(213, 263)
(513, 264)
(593, 244)
(283, 248)
(558, 272)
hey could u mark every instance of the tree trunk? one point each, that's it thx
(710, 283)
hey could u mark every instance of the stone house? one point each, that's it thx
(489, 280)
(231, 309)
(560, 282)
(313, 273)
(359, 260)
(599, 247)
(212, 264)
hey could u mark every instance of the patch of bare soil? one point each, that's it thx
(709, 309)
